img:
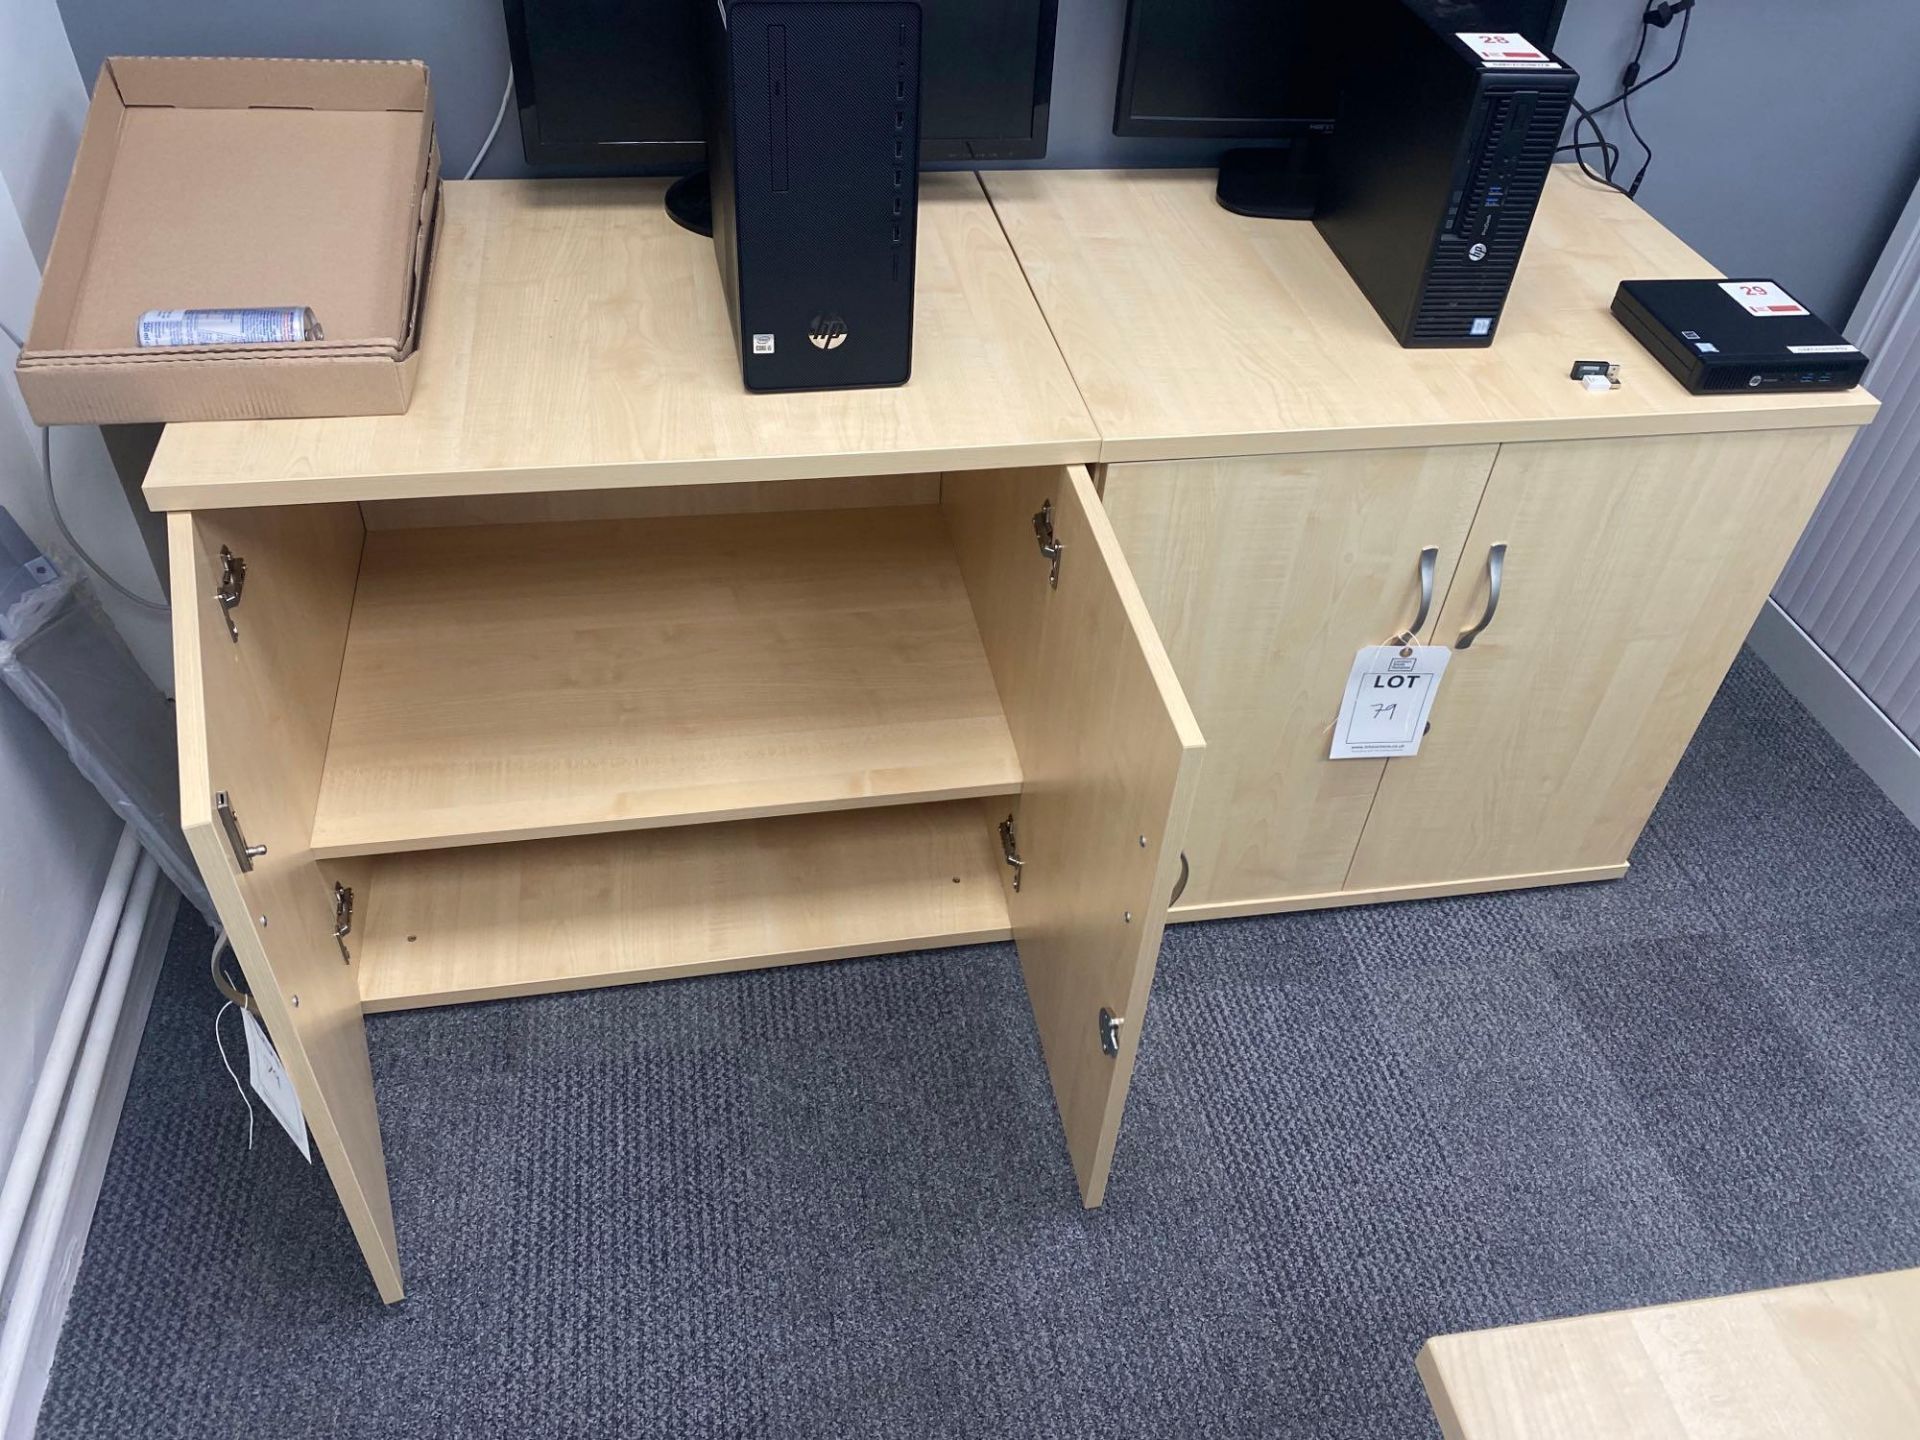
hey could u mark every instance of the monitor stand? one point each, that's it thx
(690, 203)
(1274, 184)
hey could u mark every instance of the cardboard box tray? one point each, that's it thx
(215, 183)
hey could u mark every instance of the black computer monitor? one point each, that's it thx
(1232, 69)
(1264, 70)
(615, 85)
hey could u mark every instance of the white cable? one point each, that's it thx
(213, 960)
(501, 114)
(217, 1016)
(158, 607)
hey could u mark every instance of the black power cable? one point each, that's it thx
(1632, 82)
(1609, 152)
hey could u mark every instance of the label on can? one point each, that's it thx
(267, 325)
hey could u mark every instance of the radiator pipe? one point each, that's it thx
(23, 1171)
(70, 1139)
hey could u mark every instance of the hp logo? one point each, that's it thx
(827, 332)
(1477, 253)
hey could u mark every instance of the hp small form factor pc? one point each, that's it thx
(1444, 141)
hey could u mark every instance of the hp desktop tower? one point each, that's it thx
(813, 144)
(1446, 132)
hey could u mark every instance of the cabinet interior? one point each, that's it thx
(488, 921)
(523, 681)
(567, 752)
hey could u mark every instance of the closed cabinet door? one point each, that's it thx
(1264, 576)
(1606, 587)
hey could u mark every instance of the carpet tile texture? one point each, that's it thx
(833, 1200)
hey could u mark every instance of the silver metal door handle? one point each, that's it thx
(1411, 635)
(1496, 562)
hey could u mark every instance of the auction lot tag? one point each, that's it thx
(1762, 298)
(1504, 50)
(1389, 694)
(271, 1083)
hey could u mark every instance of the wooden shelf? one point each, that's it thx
(510, 682)
(491, 921)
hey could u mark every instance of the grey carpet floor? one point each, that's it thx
(833, 1200)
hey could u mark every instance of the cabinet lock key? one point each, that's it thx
(1050, 546)
(1010, 849)
(233, 584)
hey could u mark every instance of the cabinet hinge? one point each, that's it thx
(1049, 546)
(1010, 849)
(342, 918)
(233, 582)
(243, 854)
(1110, 1024)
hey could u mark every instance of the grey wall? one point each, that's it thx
(463, 42)
(1788, 140)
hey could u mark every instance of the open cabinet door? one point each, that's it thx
(1109, 754)
(254, 709)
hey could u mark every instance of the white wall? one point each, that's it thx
(56, 834)
(43, 105)
(56, 839)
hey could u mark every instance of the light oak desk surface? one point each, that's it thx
(576, 338)
(1194, 332)
(1833, 1361)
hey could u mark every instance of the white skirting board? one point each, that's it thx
(71, 1239)
(1862, 728)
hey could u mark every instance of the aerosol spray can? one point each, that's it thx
(270, 325)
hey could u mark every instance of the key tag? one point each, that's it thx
(271, 1083)
(1390, 690)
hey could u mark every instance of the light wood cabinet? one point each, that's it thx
(1633, 570)
(595, 669)
(1264, 575)
(1274, 463)
(554, 755)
